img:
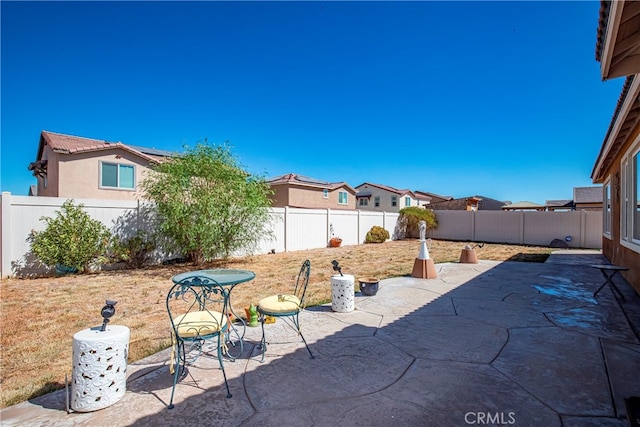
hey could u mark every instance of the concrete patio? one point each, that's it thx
(491, 343)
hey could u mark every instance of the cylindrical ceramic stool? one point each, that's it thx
(342, 293)
(99, 376)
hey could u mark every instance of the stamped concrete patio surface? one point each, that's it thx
(492, 343)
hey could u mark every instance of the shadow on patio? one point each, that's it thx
(487, 343)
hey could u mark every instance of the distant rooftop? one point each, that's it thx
(587, 194)
(292, 178)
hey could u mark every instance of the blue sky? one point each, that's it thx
(498, 99)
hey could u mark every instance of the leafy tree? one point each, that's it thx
(71, 239)
(207, 204)
(410, 219)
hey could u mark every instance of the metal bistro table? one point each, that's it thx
(228, 279)
(608, 271)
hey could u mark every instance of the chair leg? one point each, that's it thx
(178, 369)
(224, 374)
(297, 323)
(263, 341)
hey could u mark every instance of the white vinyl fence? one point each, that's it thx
(298, 229)
(292, 228)
(579, 229)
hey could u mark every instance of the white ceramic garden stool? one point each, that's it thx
(342, 293)
(99, 376)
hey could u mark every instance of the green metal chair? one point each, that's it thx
(197, 311)
(286, 307)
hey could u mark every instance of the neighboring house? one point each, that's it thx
(617, 166)
(584, 199)
(75, 167)
(426, 198)
(472, 203)
(559, 205)
(303, 192)
(523, 206)
(587, 198)
(377, 197)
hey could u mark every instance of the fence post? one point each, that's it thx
(473, 226)
(5, 232)
(384, 219)
(583, 228)
(138, 217)
(286, 227)
(522, 227)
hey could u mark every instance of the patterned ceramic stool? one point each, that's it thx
(343, 293)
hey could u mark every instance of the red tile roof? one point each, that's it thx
(74, 144)
(70, 144)
(292, 178)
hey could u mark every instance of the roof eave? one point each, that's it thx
(613, 25)
(597, 174)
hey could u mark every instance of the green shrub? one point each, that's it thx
(377, 234)
(410, 219)
(135, 251)
(71, 239)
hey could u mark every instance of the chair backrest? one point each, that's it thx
(196, 295)
(302, 281)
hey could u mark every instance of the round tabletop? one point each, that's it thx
(610, 267)
(222, 276)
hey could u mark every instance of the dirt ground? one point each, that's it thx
(39, 316)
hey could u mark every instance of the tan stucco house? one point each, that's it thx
(617, 166)
(383, 198)
(76, 167)
(300, 191)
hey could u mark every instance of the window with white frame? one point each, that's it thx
(364, 202)
(635, 197)
(407, 201)
(630, 198)
(115, 175)
(376, 201)
(343, 198)
(325, 194)
(394, 200)
(606, 209)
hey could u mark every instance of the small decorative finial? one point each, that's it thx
(336, 267)
(107, 312)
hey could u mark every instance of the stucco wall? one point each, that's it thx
(612, 248)
(51, 189)
(309, 197)
(79, 175)
(280, 196)
(385, 200)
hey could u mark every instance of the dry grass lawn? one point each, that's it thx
(39, 316)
